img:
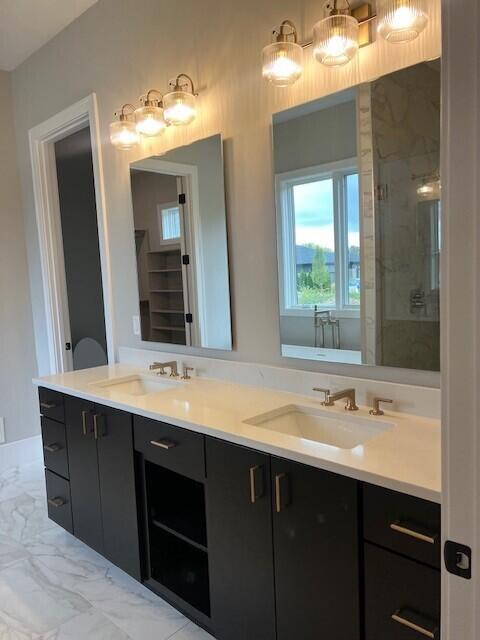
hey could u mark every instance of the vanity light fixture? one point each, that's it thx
(123, 132)
(149, 117)
(336, 37)
(282, 60)
(179, 105)
(401, 20)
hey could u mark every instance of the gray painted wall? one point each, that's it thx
(120, 48)
(318, 138)
(18, 404)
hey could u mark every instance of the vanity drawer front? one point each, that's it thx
(402, 523)
(402, 597)
(51, 404)
(55, 447)
(58, 500)
(171, 447)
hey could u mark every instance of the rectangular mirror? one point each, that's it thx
(181, 244)
(358, 217)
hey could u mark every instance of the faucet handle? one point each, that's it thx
(186, 375)
(376, 411)
(326, 400)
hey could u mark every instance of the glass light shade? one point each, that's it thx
(335, 40)
(150, 121)
(123, 134)
(429, 190)
(282, 63)
(179, 107)
(401, 20)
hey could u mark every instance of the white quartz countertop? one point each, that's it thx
(405, 458)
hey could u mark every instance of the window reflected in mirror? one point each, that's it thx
(358, 218)
(181, 246)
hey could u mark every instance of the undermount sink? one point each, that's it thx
(309, 423)
(137, 384)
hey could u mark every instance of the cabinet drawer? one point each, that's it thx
(58, 500)
(51, 404)
(171, 447)
(55, 447)
(402, 523)
(402, 597)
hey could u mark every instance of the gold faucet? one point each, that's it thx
(161, 366)
(331, 398)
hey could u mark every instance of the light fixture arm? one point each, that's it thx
(178, 86)
(122, 116)
(282, 36)
(149, 102)
(335, 11)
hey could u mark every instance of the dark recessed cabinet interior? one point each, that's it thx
(176, 504)
(248, 545)
(177, 535)
(181, 567)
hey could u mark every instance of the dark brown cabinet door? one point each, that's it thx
(239, 532)
(51, 404)
(55, 447)
(402, 523)
(402, 597)
(113, 430)
(83, 467)
(315, 531)
(58, 500)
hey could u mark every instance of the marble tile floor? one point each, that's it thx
(53, 587)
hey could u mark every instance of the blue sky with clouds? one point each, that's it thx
(314, 213)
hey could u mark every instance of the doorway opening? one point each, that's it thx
(81, 253)
(72, 229)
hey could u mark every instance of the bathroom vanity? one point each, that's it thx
(248, 532)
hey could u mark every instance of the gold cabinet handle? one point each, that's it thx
(278, 491)
(401, 619)
(47, 405)
(253, 488)
(56, 502)
(163, 444)
(96, 433)
(84, 422)
(418, 535)
(52, 448)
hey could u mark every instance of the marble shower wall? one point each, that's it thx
(406, 146)
(369, 294)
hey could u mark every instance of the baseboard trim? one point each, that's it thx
(13, 454)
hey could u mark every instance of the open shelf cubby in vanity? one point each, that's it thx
(177, 539)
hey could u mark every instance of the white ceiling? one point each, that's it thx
(26, 25)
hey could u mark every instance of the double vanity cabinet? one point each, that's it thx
(249, 545)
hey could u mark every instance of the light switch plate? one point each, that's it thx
(2, 430)
(136, 325)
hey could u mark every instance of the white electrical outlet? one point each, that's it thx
(136, 325)
(2, 429)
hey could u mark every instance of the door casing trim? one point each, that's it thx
(42, 138)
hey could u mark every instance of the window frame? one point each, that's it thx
(284, 183)
(164, 206)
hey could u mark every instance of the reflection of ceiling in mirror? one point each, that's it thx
(326, 102)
